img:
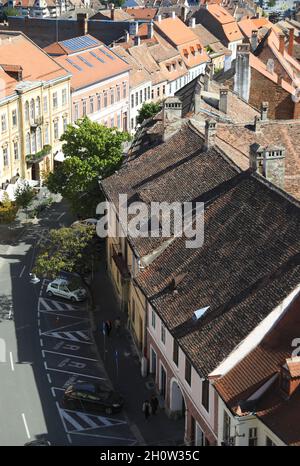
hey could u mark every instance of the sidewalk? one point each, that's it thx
(126, 374)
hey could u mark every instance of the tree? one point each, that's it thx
(148, 110)
(271, 3)
(92, 151)
(24, 195)
(69, 250)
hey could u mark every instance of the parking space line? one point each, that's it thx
(49, 378)
(63, 422)
(53, 392)
(22, 271)
(41, 342)
(72, 355)
(74, 373)
(11, 361)
(133, 441)
(26, 426)
(52, 335)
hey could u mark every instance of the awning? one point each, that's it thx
(59, 156)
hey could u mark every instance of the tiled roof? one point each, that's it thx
(17, 50)
(141, 13)
(176, 31)
(236, 140)
(251, 24)
(219, 22)
(77, 44)
(92, 66)
(221, 15)
(119, 15)
(279, 414)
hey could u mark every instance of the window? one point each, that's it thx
(149, 93)
(45, 104)
(54, 100)
(76, 112)
(91, 104)
(112, 122)
(136, 98)
(163, 333)
(47, 134)
(152, 94)
(98, 102)
(33, 143)
(132, 123)
(145, 94)
(124, 90)
(112, 96)
(3, 122)
(158, 92)
(164, 89)
(16, 150)
(153, 319)
(27, 143)
(55, 124)
(226, 428)
(118, 93)
(39, 138)
(205, 394)
(14, 118)
(132, 100)
(5, 156)
(65, 124)
(119, 121)
(133, 311)
(252, 437)
(26, 111)
(188, 371)
(141, 96)
(64, 96)
(38, 106)
(32, 109)
(270, 443)
(84, 107)
(175, 351)
(105, 99)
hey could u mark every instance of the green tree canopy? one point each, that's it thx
(24, 194)
(91, 151)
(148, 110)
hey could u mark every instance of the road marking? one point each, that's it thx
(41, 342)
(72, 355)
(82, 335)
(26, 426)
(74, 373)
(69, 438)
(133, 441)
(86, 419)
(60, 216)
(11, 361)
(22, 271)
(53, 392)
(68, 336)
(40, 332)
(49, 378)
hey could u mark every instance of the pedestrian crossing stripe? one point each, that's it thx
(82, 336)
(52, 305)
(79, 421)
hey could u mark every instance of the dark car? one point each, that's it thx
(92, 397)
(38, 443)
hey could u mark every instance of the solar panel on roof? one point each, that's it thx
(74, 64)
(107, 54)
(85, 61)
(78, 43)
(96, 56)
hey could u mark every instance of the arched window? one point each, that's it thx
(32, 109)
(33, 143)
(38, 107)
(26, 111)
(39, 138)
(28, 143)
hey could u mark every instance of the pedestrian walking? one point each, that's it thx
(118, 325)
(154, 404)
(146, 409)
(108, 326)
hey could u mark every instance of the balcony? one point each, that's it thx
(36, 121)
(38, 156)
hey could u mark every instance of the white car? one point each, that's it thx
(64, 289)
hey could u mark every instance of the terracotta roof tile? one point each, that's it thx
(141, 13)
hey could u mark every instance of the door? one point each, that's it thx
(140, 333)
(163, 382)
(153, 363)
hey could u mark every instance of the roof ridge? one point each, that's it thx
(275, 188)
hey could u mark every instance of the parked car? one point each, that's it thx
(38, 443)
(66, 289)
(92, 396)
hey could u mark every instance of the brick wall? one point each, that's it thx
(265, 55)
(262, 89)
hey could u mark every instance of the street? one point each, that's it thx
(45, 345)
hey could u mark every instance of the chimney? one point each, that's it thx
(242, 77)
(158, 18)
(112, 13)
(173, 14)
(150, 30)
(126, 36)
(270, 65)
(281, 43)
(291, 42)
(210, 134)
(264, 107)
(183, 14)
(223, 99)
(269, 161)
(137, 40)
(257, 125)
(192, 22)
(133, 28)
(206, 82)
(172, 110)
(254, 40)
(82, 20)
